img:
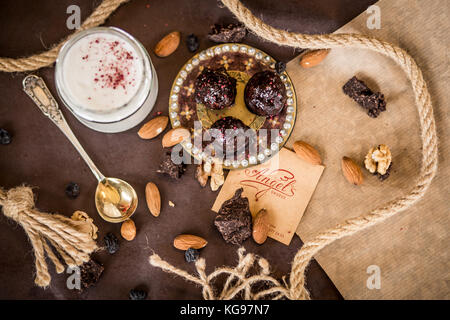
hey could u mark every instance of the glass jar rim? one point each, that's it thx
(122, 112)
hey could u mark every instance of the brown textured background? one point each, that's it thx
(41, 156)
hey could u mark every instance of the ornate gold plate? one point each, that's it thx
(241, 62)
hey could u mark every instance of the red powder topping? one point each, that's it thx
(113, 73)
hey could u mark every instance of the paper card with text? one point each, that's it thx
(283, 186)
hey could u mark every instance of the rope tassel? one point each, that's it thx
(71, 239)
(238, 279)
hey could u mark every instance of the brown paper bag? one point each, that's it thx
(283, 186)
(410, 250)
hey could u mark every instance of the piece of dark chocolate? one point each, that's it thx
(234, 220)
(167, 166)
(90, 273)
(373, 103)
(227, 33)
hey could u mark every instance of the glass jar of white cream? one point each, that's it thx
(105, 77)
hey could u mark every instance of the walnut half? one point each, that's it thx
(378, 159)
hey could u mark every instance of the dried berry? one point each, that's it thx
(227, 33)
(167, 166)
(280, 67)
(90, 272)
(234, 220)
(192, 43)
(136, 294)
(5, 137)
(191, 255)
(373, 103)
(72, 190)
(111, 243)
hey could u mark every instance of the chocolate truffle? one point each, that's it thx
(226, 139)
(215, 89)
(265, 94)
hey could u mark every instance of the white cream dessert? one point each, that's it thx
(102, 72)
(105, 77)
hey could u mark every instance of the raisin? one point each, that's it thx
(136, 294)
(192, 43)
(72, 190)
(111, 242)
(5, 137)
(191, 255)
(280, 67)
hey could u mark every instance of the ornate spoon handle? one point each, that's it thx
(36, 89)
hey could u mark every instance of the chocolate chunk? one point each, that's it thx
(215, 89)
(265, 94)
(373, 103)
(227, 33)
(90, 272)
(167, 166)
(234, 220)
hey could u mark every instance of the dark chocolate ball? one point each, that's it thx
(265, 94)
(215, 89)
(229, 139)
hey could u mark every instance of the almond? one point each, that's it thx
(352, 172)
(307, 152)
(260, 227)
(186, 241)
(153, 128)
(167, 45)
(313, 58)
(153, 198)
(128, 230)
(175, 136)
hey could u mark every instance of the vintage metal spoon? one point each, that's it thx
(115, 199)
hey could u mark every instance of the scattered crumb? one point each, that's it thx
(171, 204)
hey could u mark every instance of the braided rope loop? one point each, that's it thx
(427, 125)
